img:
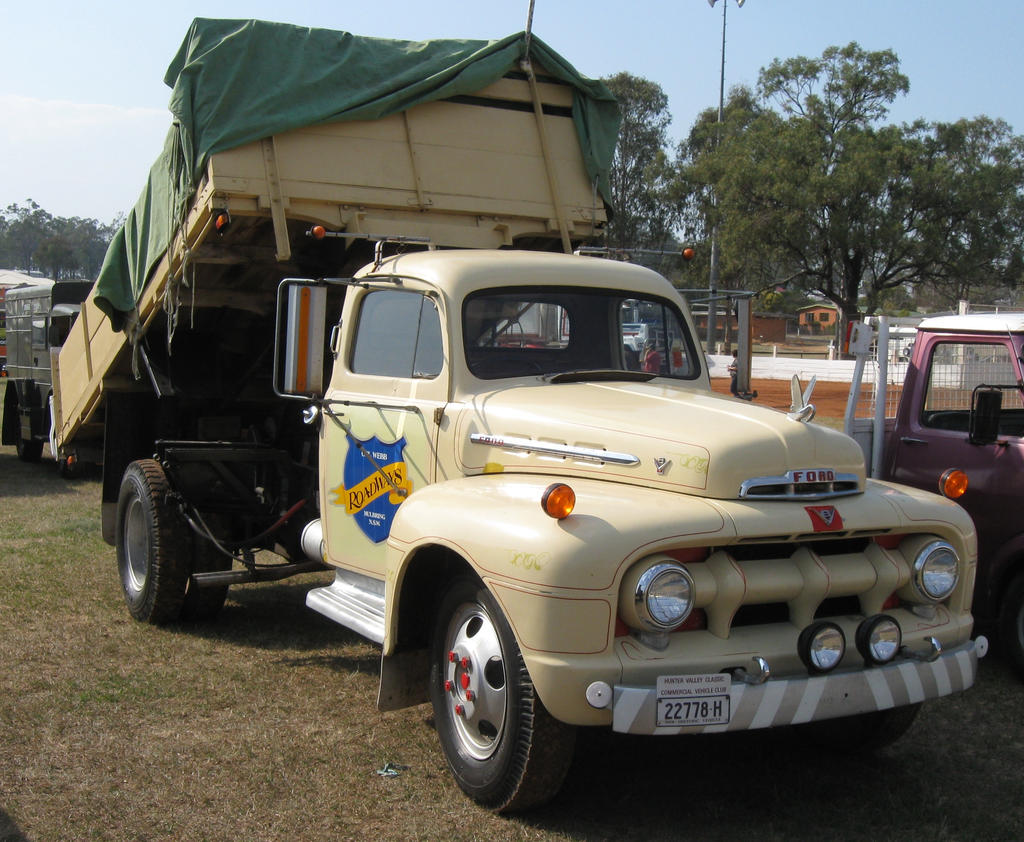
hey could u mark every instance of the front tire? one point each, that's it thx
(1011, 625)
(151, 554)
(502, 746)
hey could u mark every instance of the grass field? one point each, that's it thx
(263, 726)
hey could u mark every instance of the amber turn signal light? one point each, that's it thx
(221, 221)
(953, 484)
(558, 501)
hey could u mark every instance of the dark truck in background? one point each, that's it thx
(957, 427)
(39, 318)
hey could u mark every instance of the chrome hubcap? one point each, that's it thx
(475, 681)
(136, 547)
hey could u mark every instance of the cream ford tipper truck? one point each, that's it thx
(543, 535)
(541, 527)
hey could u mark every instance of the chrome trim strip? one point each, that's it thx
(793, 481)
(552, 449)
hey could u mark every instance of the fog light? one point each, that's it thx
(879, 639)
(821, 647)
(936, 571)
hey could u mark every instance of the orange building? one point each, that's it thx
(818, 319)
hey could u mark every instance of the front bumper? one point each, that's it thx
(792, 701)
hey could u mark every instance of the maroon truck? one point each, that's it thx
(957, 427)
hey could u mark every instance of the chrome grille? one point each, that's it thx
(800, 485)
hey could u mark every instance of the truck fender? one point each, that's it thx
(556, 580)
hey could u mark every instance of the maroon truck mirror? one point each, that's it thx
(986, 407)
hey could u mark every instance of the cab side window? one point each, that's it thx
(954, 370)
(399, 335)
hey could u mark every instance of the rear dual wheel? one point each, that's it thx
(205, 603)
(157, 553)
(28, 450)
(502, 746)
(150, 550)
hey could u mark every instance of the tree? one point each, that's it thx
(809, 186)
(27, 227)
(694, 197)
(641, 171)
(33, 240)
(970, 177)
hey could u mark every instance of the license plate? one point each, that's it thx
(693, 700)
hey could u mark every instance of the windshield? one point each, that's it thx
(551, 330)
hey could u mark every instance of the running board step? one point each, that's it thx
(354, 601)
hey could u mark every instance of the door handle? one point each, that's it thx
(911, 440)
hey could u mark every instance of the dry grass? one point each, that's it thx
(262, 726)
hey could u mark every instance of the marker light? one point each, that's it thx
(558, 501)
(318, 232)
(221, 221)
(688, 253)
(953, 484)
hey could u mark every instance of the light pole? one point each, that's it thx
(713, 275)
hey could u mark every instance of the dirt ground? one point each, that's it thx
(829, 398)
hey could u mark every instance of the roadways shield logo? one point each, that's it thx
(824, 518)
(375, 482)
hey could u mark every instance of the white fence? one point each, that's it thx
(783, 368)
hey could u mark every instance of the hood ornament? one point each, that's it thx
(801, 408)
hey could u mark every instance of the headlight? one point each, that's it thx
(658, 597)
(936, 571)
(879, 639)
(821, 647)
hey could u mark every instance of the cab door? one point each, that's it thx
(379, 435)
(933, 434)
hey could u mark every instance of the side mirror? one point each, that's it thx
(986, 407)
(299, 345)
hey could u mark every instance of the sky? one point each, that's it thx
(83, 106)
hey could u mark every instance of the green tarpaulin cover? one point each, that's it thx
(236, 81)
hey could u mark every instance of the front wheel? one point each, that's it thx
(151, 554)
(503, 747)
(1011, 625)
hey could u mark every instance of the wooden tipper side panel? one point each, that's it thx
(467, 173)
(458, 172)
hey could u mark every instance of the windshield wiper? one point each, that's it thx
(600, 375)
